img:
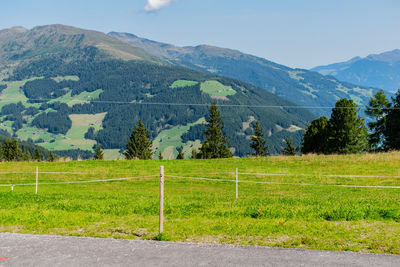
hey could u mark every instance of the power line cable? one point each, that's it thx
(208, 104)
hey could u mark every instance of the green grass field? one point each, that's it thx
(216, 89)
(183, 83)
(287, 215)
(14, 94)
(84, 97)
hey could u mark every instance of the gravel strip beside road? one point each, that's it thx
(44, 250)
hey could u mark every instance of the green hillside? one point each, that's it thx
(79, 94)
(303, 87)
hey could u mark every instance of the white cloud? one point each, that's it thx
(153, 5)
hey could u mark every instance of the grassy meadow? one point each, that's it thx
(279, 213)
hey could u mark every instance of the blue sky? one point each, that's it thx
(297, 33)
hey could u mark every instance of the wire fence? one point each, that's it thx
(213, 177)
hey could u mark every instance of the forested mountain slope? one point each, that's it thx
(380, 70)
(61, 89)
(300, 86)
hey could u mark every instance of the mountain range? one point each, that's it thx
(376, 70)
(65, 89)
(300, 86)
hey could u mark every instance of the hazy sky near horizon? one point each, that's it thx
(297, 33)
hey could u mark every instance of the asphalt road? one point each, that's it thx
(43, 250)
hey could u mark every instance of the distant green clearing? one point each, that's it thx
(310, 91)
(35, 134)
(66, 78)
(58, 144)
(112, 154)
(75, 137)
(14, 94)
(294, 75)
(84, 97)
(342, 88)
(277, 211)
(168, 140)
(80, 125)
(6, 126)
(189, 146)
(51, 141)
(356, 98)
(215, 88)
(183, 83)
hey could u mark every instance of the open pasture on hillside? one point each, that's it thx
(296, 203)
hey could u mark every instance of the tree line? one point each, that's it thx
(11, 150)
(343, 133)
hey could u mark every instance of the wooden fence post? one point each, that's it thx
(161, 226)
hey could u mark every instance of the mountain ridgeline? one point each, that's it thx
(380, 70)
(67, 89)
(303, 87)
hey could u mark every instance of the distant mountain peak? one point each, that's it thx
(390, 56)
(377, 70)
(123, 34)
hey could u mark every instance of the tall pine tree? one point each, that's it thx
(51, 157)
(215, 143)
(98, 153)
(377, 110)
(258, 142)
(289, 149)
(194, 153)
(347, 132)
(181, 155)
(139, 145)
(11, 150)
(37, 156)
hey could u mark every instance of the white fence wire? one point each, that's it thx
(278, 183)
(192, 176)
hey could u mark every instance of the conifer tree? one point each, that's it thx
(51, 157)
(181, 155)
(215, 144)
(11, 150)
(316, 137)
(377, 109)
(1, 152)
(289, 149)
(258, 141)
(37, 156)
(392, 130)
(194, 154)
(160, 156)
(26, 156)
(139, 145)
(98, 152)
(347, 132)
